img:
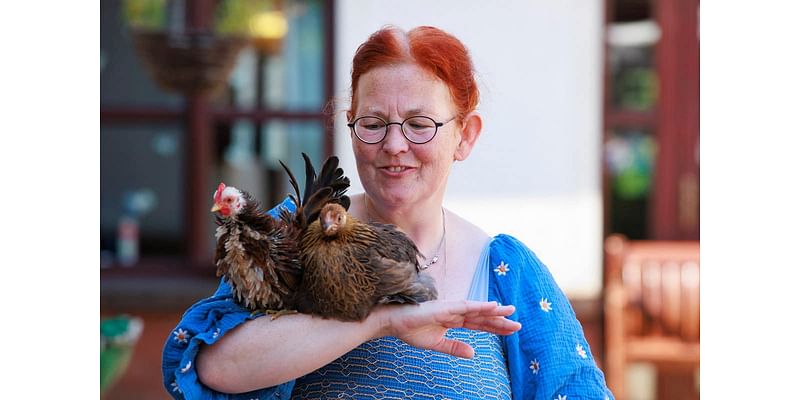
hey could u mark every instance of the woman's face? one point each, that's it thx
(395, 171)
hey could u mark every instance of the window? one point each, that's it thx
(652, 124)
(163, 153)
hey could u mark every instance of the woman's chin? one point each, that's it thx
(397, 196)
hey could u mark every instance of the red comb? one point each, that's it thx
(218, 193)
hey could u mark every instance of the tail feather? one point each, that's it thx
(312, 208)
(329, 186)
(293, 181)
(311, 177)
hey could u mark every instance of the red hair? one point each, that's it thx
(433, 50)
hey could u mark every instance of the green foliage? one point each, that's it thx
(145, 14)
(231, 17)
(637, 88)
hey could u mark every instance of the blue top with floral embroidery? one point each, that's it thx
(548, 358)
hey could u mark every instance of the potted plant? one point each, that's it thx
(190, 62)
(118, 337)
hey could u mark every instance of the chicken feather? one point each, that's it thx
(349, 267)
(259, 255)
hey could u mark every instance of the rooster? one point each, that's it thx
(259, 255)
(349, 267)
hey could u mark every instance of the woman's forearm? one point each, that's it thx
(264, 352)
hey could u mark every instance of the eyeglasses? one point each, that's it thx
(417, 129)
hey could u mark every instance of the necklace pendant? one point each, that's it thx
(427, 265)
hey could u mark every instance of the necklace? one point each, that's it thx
(442, 242)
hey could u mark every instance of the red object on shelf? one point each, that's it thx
(128, 241)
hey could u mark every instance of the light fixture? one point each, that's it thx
(267, 29)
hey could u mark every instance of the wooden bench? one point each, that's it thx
(651, 306)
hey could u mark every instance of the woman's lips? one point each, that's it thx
(396, 170)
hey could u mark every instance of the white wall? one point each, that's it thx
(539, 65)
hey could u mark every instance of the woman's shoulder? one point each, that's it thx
(465, 230)
(510, 258)
(511, 246)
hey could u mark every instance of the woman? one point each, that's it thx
(412, 115)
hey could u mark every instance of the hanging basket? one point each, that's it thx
(189, 63)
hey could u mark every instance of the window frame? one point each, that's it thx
(199, 117)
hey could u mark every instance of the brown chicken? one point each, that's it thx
(259, 255)
(349, 267)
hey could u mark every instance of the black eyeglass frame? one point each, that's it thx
(437, 125)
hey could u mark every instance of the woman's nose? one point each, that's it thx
(395, 142)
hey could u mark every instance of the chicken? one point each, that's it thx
(349, 267)
(254, 253)
(259, 255)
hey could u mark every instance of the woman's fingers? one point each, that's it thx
(468, 309)
(496, 325)
(483, 316)
(454, 348)
(475, 315)
(493, 310)
(424, 326)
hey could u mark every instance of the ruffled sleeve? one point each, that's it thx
(205, 322)
(549, 358)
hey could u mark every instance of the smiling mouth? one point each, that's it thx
(396, 169)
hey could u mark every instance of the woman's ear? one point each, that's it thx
(349, 116)
(470, 131)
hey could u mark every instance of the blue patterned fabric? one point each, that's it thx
(548, 359)
(387, 368)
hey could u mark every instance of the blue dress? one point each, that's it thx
(547, 359)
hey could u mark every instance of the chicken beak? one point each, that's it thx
(215, 208)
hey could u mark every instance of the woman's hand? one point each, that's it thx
(424, 325)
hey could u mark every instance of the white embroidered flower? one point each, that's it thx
(216, 333)
(580, 350)
(175, 387)
(561, 397)
(186, 368)
(534, 366)
(545, 305)
(181, 335)
(502, 268)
